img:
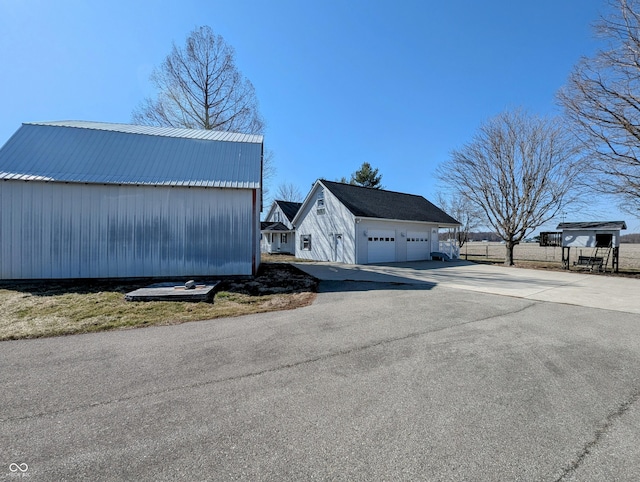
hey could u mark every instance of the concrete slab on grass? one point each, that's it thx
(174, 292)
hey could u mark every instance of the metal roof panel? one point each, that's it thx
(593, 225)
(102, 153)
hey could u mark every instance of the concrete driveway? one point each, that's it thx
(574, 288)
(374, 381)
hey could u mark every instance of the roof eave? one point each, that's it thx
(440, 225)
(304, 203)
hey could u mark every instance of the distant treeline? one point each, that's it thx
(625, 238)
(630, 238)
(493, 237)
(474, 237)
(484, 236)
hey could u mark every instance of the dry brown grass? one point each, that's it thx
(532, 255)
(32, 310)
(282, 258)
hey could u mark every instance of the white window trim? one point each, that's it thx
(320, 205)
(306, 241)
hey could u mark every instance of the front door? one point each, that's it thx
(338, 248)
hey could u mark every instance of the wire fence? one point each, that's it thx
(629, 253)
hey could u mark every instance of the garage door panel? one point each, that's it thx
(418, 247)
(381, 246)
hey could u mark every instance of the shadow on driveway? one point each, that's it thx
(351, 286)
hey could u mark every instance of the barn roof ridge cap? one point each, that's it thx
(158, 131)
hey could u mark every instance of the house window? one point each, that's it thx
(276, 216)
(283, 238)
(305, 242)
(320, 203)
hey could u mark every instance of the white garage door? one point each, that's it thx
(381, 246)
(418, 246)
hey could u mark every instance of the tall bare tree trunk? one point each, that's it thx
(508, 258)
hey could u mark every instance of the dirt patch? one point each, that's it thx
(273, 278)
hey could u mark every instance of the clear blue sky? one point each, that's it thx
(398, 83)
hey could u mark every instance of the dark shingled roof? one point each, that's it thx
(269, 226)
(367, 202)
(595, 225)
(290, 209)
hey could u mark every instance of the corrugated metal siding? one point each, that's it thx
(70, 154)
(53, 230)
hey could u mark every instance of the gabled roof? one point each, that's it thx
(594, 225)
(269, 226)
(377, 203)
(289, 208)
(93, 152)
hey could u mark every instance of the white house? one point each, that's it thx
(97, 200)
(278, 233)
(359, 225)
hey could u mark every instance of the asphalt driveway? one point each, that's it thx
(374, 381)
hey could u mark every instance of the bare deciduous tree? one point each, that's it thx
(517, 170)
(268, 172)
(602, 99)
(289, 192)
(461, 209)
(200, 87)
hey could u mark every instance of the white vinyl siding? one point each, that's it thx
(323, 228)
(587, 238)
